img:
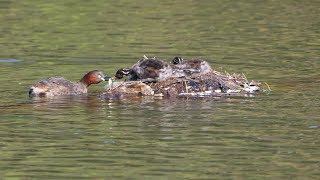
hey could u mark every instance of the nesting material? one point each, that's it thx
(208, 83)
(128, 89)
(213, 83)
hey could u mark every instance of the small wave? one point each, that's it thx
(10, 60)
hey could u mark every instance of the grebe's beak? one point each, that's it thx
(106, 78)
(112, 78)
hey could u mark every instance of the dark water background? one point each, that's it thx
(273, 135)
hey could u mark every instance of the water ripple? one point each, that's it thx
(10, 60)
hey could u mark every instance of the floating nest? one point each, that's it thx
(210, 84)
(120, 90)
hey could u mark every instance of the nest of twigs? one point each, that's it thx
(212, 83)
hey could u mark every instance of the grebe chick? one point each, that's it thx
(55, 86)
(146, 70)
(177, 60)
(190, 67)
(121, 73)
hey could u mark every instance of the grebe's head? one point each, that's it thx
(122, 72)
(177, 60)
(94, 77)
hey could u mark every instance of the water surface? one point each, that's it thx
(273, 135)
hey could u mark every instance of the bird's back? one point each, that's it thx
(56, 86)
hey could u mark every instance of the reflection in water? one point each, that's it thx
(62, 102)
(150, 135)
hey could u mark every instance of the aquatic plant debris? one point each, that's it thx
(210, 84)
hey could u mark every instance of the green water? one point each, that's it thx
(273, 135)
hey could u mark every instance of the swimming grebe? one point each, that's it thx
(55, 86)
